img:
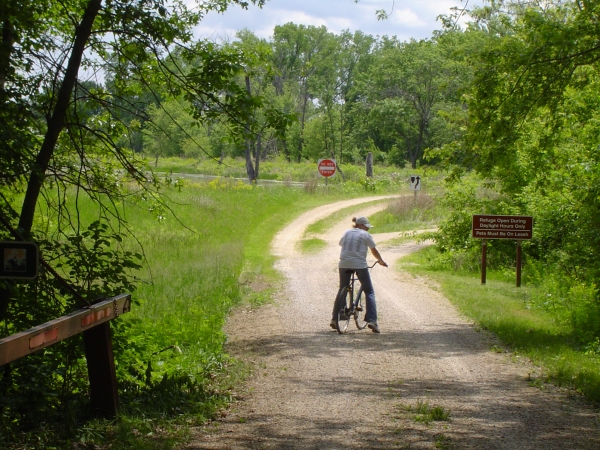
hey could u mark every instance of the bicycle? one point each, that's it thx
(350, 306)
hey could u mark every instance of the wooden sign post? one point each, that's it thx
(486, 227)
(415, 184)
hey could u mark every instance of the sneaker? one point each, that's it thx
(333, 324)
(374, 327)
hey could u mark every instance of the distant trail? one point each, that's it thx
(284, 243)
(314, 389)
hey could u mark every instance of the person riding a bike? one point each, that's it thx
(353, 258)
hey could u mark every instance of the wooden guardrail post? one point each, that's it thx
(104, 397)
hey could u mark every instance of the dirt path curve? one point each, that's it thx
(314, 389)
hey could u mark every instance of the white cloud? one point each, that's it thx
(409, 19)
(300, 17)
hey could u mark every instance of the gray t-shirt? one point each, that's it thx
(355, 243)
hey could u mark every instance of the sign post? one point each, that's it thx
(326, 168)
(486, 227)
(415, 184)
(519, 263)
(483, 260)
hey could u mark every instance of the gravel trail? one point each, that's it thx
(314, 389)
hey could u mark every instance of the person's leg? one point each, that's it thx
(345, 275)
(365, 280)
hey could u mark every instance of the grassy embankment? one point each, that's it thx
(235, 227)
(498, 306)
(198, 267)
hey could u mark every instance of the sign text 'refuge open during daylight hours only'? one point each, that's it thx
(502, 227)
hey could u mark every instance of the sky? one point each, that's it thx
(408, 19)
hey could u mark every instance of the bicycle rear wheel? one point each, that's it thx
(360, 311)
(344, 303)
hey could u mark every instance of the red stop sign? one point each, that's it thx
(326, 167)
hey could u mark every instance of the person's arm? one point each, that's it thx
(376, 254)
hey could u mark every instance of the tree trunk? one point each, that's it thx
(302, 121)
(257, 153)
(6, 50)
(248, 154)
(341, 132)
(337, 165)
(332, 133)
(270, 145)
(56, 123)
(249, 166)
(286, 151)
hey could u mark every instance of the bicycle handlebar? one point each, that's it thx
(374, 264)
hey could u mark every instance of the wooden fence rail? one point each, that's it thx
(92, 321)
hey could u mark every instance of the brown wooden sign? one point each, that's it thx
(502, 227)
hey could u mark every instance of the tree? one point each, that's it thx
(405, 88)
(302, 54)
(266, 119)
(167, 128)
(353, 58)
(530, 59)
(61, 135)
(132, 39)
(533, 115)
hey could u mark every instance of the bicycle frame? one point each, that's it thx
(350, 306)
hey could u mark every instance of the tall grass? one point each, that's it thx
(222, 233)
(410, 212)
(172, 365)
(218, 234)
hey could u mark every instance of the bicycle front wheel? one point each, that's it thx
(360, 311)
(344, 303)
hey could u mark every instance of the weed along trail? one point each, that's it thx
(429, 380)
